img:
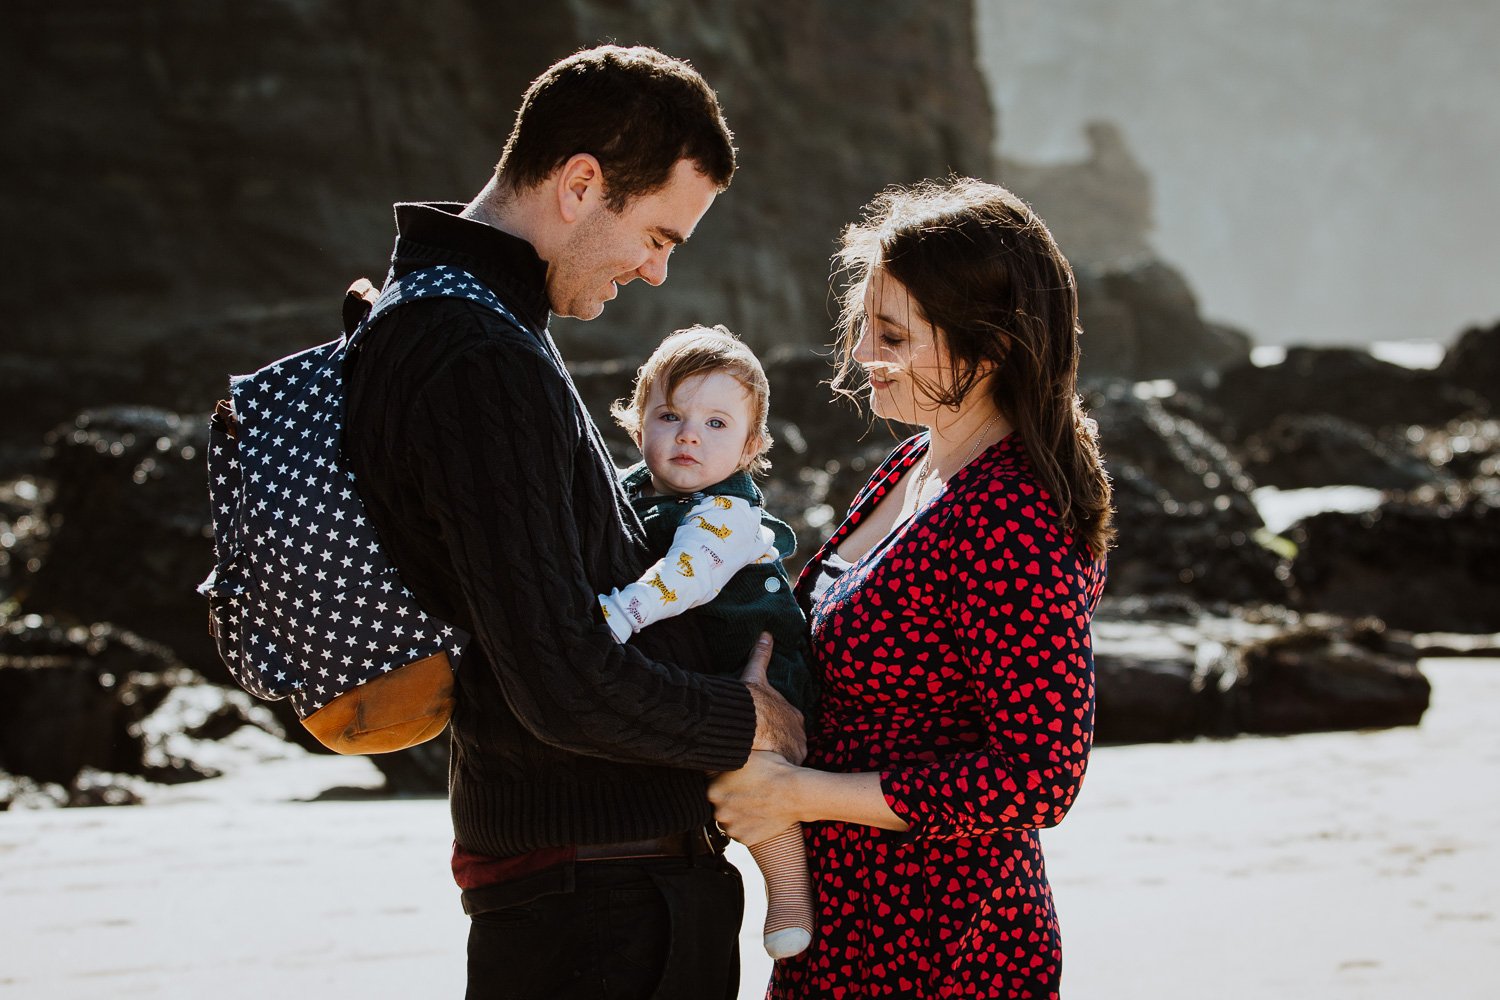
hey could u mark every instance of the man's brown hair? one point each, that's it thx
(635, 110)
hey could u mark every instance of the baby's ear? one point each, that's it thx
(754, 445)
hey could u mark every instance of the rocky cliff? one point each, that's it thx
(200, 179)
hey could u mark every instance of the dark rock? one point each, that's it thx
(1298, 452)
(1099, 209)
(1464, 451)
(1183, 512)
(70, 698)
(297, 138)
(1142, 322)
(1425, 568)
(1308, 680)
(1203, 675)
(23, 533)
(1342, 382)
(1473, 363)
(418, 770)
(130, 536)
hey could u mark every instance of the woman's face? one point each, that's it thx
(900, 351)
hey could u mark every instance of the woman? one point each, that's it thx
(950, 615)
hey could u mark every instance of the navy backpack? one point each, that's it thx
(304, 603)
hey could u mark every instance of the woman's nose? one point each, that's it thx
(864, 347)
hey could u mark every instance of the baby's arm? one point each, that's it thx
(718, 538)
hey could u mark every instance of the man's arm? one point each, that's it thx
(500, 435)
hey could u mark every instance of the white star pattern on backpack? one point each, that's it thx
(307, 604)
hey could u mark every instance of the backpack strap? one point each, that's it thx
(440, 282)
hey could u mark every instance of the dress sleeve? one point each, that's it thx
(496, 438)
(1021, 606)
(718, 538)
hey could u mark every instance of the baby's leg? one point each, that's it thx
(789, 914)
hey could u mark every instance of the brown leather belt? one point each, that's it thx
(689, 844)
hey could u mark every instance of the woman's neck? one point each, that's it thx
(956, 441)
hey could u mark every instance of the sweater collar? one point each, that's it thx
(739, 484)
(429, 233)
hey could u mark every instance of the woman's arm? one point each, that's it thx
(769, 794)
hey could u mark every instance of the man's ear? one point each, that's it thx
(579, 187)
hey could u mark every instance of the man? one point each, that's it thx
(582, 833)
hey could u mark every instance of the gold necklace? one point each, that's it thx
(927, 459)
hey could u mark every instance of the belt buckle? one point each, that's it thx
(710, 840)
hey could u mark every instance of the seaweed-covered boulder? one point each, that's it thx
(1341, 382)
(1183, 511)
(1423, 567)
(74, 698)
(1167, 670)
(129, 529)
(1301, 451)
(1310, 679)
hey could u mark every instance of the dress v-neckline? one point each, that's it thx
(918, 450)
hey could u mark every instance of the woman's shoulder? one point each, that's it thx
(1001, 498)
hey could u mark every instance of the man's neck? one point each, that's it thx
(501, 209)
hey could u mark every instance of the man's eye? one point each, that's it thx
(657, 244)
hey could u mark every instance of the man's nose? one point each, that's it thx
(654, 271)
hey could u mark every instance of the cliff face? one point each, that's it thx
(192, 183)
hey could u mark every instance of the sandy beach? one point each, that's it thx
(1346, 865)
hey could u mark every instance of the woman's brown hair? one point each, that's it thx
(986, 273)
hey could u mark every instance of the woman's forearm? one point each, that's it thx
(845, 798)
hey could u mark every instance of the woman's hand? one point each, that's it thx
(759, 800)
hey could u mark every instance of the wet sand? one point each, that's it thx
(1334, 866)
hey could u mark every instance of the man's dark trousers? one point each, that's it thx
(613, 930)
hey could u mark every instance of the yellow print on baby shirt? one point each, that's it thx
(719, 531)
(684, 564)
(667, 596)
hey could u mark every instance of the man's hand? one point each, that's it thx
(778, 726)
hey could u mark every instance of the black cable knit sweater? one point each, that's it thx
(491, 488)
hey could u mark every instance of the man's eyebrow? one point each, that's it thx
(670, 235)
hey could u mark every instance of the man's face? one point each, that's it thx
(606, 249)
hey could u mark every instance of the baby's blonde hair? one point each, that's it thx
(701, 350)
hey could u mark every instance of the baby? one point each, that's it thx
(698, 414)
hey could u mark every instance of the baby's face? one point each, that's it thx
(704, 434)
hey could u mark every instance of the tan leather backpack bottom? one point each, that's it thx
(407, 706)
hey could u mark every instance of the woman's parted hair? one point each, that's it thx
(986, 273)
(701, 350)
(636, 110)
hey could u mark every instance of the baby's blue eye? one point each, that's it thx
(668, 417)
(717, 423)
